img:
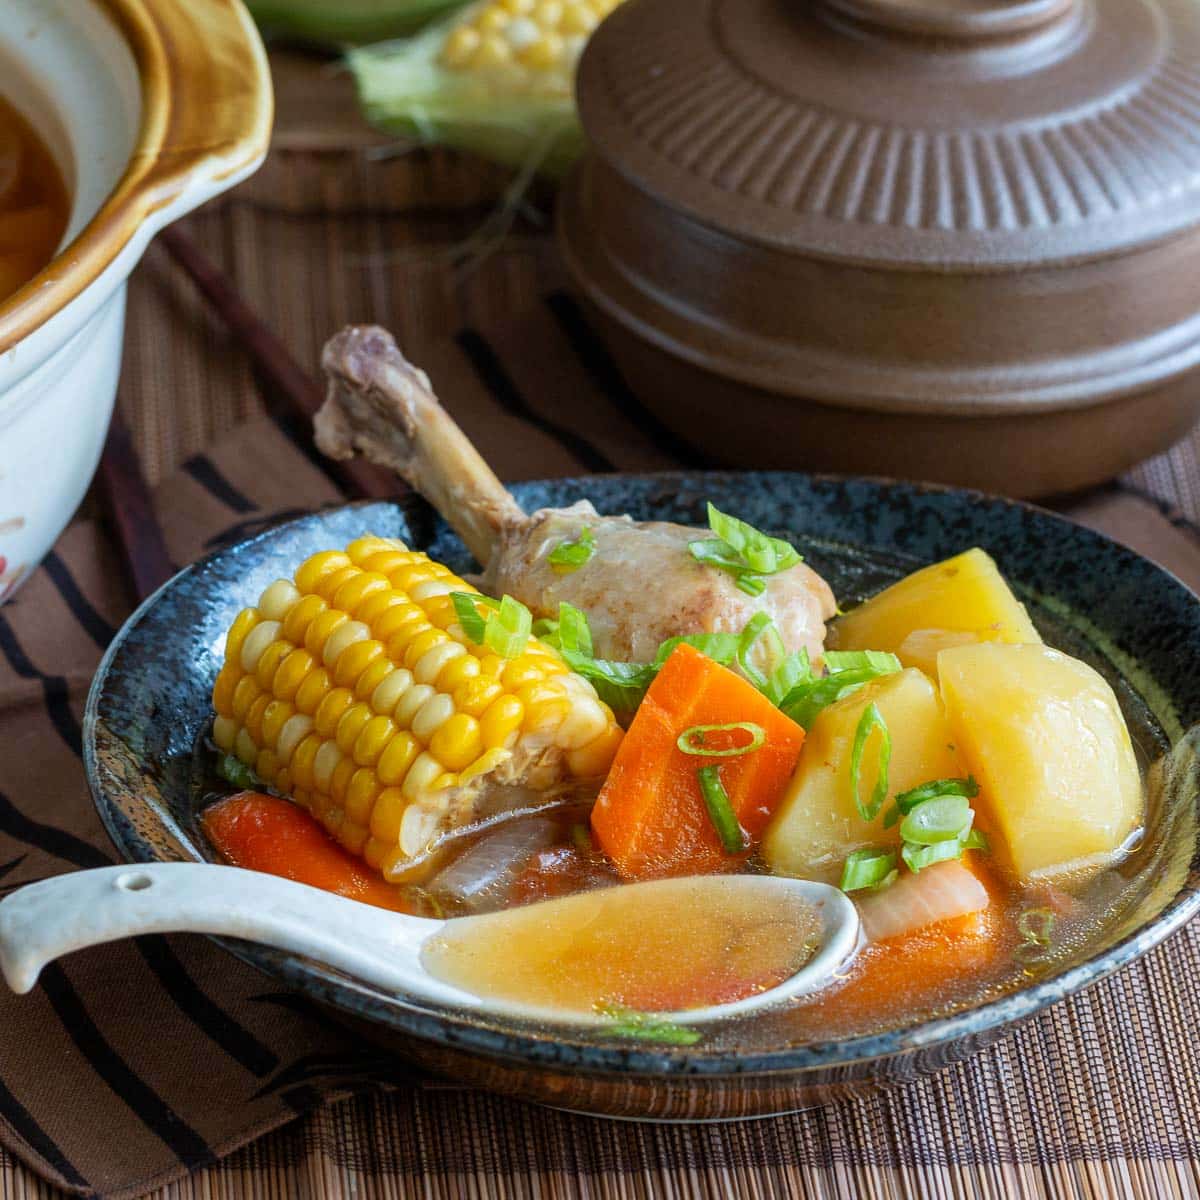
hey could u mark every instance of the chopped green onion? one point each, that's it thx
(870, 868)
(933, 790)
(234, 771)
(975, 840)
(805, 700)
(720, 647)
(629, 1023)
(570, 556)
(752, 631)
(917, 858)
(620, 685)
(878, 661)
(742, 551)
(941, 819)
(870, 720)
(720, 811)
(691, 741)
(505, 630)
(1036, 927)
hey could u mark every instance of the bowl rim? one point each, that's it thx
(207, 109)
(460, 1032)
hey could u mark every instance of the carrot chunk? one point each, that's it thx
(650, 817)
(269, 834)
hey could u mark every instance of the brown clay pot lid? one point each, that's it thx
(937, 133)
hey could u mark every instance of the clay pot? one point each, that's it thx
(955, 240)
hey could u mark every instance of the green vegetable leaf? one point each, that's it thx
(878, 661)
(234, 771)
(647, 1027)
(742, 551)
(872, 868)
(570, 556)
(849, 671)
(505, 630)
(870, 720)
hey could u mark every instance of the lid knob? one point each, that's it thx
(970, 19)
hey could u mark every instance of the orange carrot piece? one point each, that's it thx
(269, 834)
(650, 817)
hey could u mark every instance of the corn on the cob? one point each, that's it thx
(496, 78)
(353, 689)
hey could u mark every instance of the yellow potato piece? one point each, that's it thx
(817, 824)
(962, 600)
(1043, 735)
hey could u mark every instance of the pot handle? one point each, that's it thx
(207, 102)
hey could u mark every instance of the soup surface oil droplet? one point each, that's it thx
(666, 946)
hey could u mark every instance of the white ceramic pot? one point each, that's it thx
(150, 108)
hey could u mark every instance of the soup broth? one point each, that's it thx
(33, 202)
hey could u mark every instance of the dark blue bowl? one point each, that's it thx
(1133, 621)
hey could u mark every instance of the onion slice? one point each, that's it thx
(937, 893)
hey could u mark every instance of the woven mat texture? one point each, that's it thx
(1098, 1098)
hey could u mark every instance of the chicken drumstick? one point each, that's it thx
(639, 587)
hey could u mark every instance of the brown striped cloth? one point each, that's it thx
(133, 1064)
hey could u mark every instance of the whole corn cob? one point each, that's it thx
(496, 78)
(353, 689)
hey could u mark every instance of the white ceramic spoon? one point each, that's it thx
(44, 920)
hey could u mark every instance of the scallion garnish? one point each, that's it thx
(720, 811)
(506, 628)
(570, 556)
(692, 741)
(878, 662)
(917, 857)
(975, 840)
(940, 819)
(234, 771)
(742, 551)
(933, 790)
(647, 1027)
(1036, 927)
(871, 868)
(870, 720)
(848, 672)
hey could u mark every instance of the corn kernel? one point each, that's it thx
(500, 723)
(269, 662)
(324, 765)
(343, 774)
(244, 747)
(430, 664)
(256, 641)
(377, 603)
(321, 629)
(548, 14)
(291, 673)
(265, 765)
(278, 599)
(374, 852)
(421, 775)
(244, 695)
(485, 764)
(354, 659)
(314, 569)
(522, 670)
(352, 836)
(460, 45)
(331, 710)
(544, 54)
(386, 815)
(422, 644)
(594, 759)
(493, 52)
(457, 742)
(372, 677)
(353, 720)
(405, 620)
(275, 717)
(361, 550)
(397, 757)
(456, 672)
(295, 729)
(312, 691)
(385, 562)
(224, 733)
(410, 703)
(343, 637)
(301, 762)
(518, 7)
(243, 623)
(389, 691)
(302, 615)
(329, 585)
(472, 696)
(372, 741)
(431, 716)
(360, 795)
(351, 596)
(227, 680)
(578, 19)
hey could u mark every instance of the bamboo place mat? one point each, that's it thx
(134, 1063)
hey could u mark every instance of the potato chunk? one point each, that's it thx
(1043, 735)
(817, 824)
(960, 601)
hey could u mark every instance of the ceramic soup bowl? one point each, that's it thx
(149, 107)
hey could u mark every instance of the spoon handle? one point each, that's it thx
(44, 920)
